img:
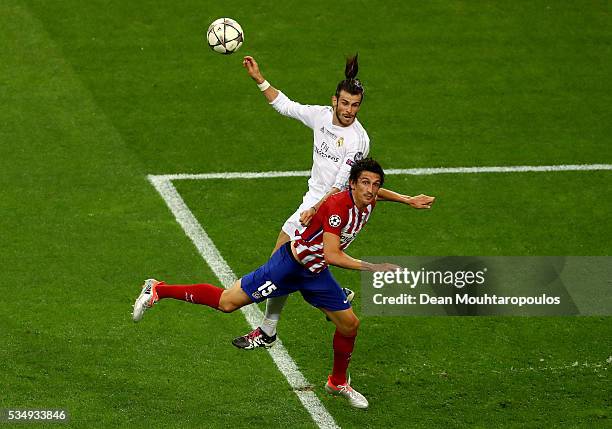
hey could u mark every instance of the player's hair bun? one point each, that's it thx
(351, 84)
(352, 67)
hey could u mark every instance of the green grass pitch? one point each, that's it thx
(96, 95)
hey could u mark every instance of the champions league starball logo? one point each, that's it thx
(334, 221)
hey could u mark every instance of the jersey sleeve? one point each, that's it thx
(335, 217)
(351, 156)
(304, 113)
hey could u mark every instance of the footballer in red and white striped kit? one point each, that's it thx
(339, 216)
(302, 265)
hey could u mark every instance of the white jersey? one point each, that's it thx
(335, 150)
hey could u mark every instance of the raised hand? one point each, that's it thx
(252, 68)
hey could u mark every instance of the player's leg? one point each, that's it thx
(234, 298)
(274, 306)
(204, 294)
(273, 280)
(338, 383)
(326, 294)
(350, 296)
(265, 334)
(347, 325)
(283, 238)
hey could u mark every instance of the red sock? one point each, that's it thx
(204, 294)
(343, 348)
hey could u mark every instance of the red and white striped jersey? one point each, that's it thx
(338, 215)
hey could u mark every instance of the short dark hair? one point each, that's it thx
(351, 84)
(367, 164)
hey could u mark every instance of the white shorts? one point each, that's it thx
(292, 226)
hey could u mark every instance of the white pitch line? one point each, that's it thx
(409, 171)
(252, 313)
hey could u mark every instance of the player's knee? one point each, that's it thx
(349, 327)
(226, 305)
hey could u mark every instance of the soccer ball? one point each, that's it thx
(225, 36)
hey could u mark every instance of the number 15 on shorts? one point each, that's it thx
(267, 288)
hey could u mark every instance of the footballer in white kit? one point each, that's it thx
(335, 149)
(339, 140)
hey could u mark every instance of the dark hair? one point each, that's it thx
(351, 84)
(367, 164)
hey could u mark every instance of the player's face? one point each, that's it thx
(365, 188)
(346, 107)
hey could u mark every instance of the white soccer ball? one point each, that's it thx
(225, 36)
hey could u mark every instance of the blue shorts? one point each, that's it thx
(283, 275)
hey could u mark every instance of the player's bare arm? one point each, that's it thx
(334, 255)
(307, 215)
(252, 68)
(420, 201)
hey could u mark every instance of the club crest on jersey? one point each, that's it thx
(334, 221)
(340, 141)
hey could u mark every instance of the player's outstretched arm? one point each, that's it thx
(281, 103)
(252, 68)
(419, 202)
(335, 256)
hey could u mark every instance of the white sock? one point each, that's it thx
(274, 306)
